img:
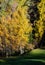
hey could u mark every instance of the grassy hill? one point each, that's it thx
(35, 57)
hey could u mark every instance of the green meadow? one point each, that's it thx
(35, 57)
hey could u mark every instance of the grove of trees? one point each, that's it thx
(22, 25)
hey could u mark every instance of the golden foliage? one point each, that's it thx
(14, 26)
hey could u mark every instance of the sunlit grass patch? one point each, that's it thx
(38, 51)
(2, 60)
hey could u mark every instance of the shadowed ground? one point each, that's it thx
(35, 57)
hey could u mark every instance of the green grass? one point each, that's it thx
(35, 57)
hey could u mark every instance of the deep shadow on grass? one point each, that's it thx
(35, 57)
(13, 61)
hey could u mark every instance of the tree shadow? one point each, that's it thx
(22, 61)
